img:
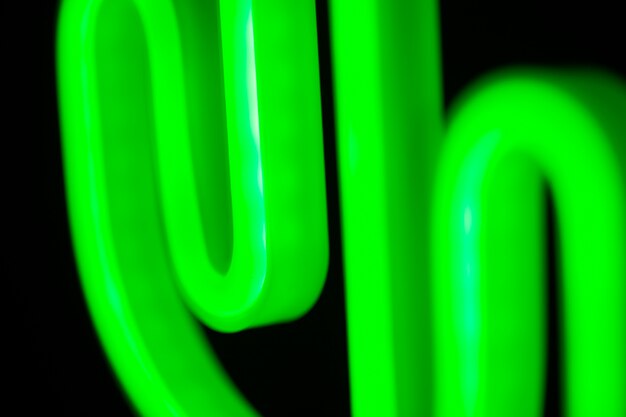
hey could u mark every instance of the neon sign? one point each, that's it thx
(442, 242)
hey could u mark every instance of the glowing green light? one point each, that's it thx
(194, 170)
(279, 249)
(389, 129)
(508, 135)
(191, 165)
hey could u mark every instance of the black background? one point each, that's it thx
(55, 366)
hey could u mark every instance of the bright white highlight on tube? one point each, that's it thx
(467, 220)
(253, 104)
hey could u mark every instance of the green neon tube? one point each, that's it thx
(279, 230)
(507, 135)
(388, 101)
(156, 208)
(143, 87)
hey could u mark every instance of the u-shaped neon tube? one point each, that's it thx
(150, 117)
(508, 135)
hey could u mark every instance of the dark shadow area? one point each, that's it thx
(553, 406)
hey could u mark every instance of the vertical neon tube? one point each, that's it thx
(388, 102)
(508, 135)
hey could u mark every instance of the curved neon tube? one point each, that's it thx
(279, 243)
(509, 134)
(141, 86)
